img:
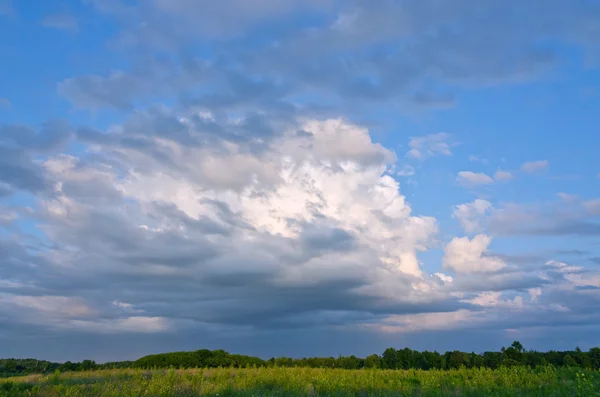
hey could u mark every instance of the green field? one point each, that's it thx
(516, 381)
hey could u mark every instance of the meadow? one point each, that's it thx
(254, 382)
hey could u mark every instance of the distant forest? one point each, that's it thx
(514, 355)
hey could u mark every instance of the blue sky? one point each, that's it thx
(345, 175)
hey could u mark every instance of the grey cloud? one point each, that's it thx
(170, 265)
(543, 220)
(520, 259)
(509, 281)
(181, 19)
(148, 78)
(51, 136)
(374, 51)
(117, 90)
(215, 272)
(321, 239)
(17, 170)
(5, 190)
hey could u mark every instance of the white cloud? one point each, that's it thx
(126, 307)
(429, 145)
(427, 321)
(136, 324)
(471, 179)
(492, 299)
(563, 267)
(470, 214)
(503, 175)
(407, 170)
(44, 310)
(469, 256)
(534, 293)
(476, 159)
(535, 166)
(444, 278)
(319, 212)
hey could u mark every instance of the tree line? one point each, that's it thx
(514, 355)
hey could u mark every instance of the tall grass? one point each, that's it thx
(504, 382)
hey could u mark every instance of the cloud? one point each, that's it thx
(592, 206)
(545, 219)
(469, 256)
(503, 176)
(231, 196)
(492, 299)
(407, 170)
(116, 90)
(429, 145)
(323, 224)
(535, 166)
(187, 14)
(427, 322)
(476, 159)
(319, 237)
(50, 311)
(327, 60)
(136, 324)
(567, 198)
(470, 214)
(61, 21)
(472, 179)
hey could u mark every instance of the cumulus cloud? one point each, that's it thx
(473, 179)
(315, 222)
(535, 166)
(470, 214)
(249, 204)
(469, 256)
(493, 299)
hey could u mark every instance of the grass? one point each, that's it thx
(504, 382)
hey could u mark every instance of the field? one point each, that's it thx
(504, 382)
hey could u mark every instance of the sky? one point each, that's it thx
(298, 178)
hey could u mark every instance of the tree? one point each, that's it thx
(389, 358)
(373, 361)
(569, 361)
(456, 359)
(517, 346)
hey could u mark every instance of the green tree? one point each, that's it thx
(373, 361)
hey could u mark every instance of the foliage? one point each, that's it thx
(276, 381)
(513, 356)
